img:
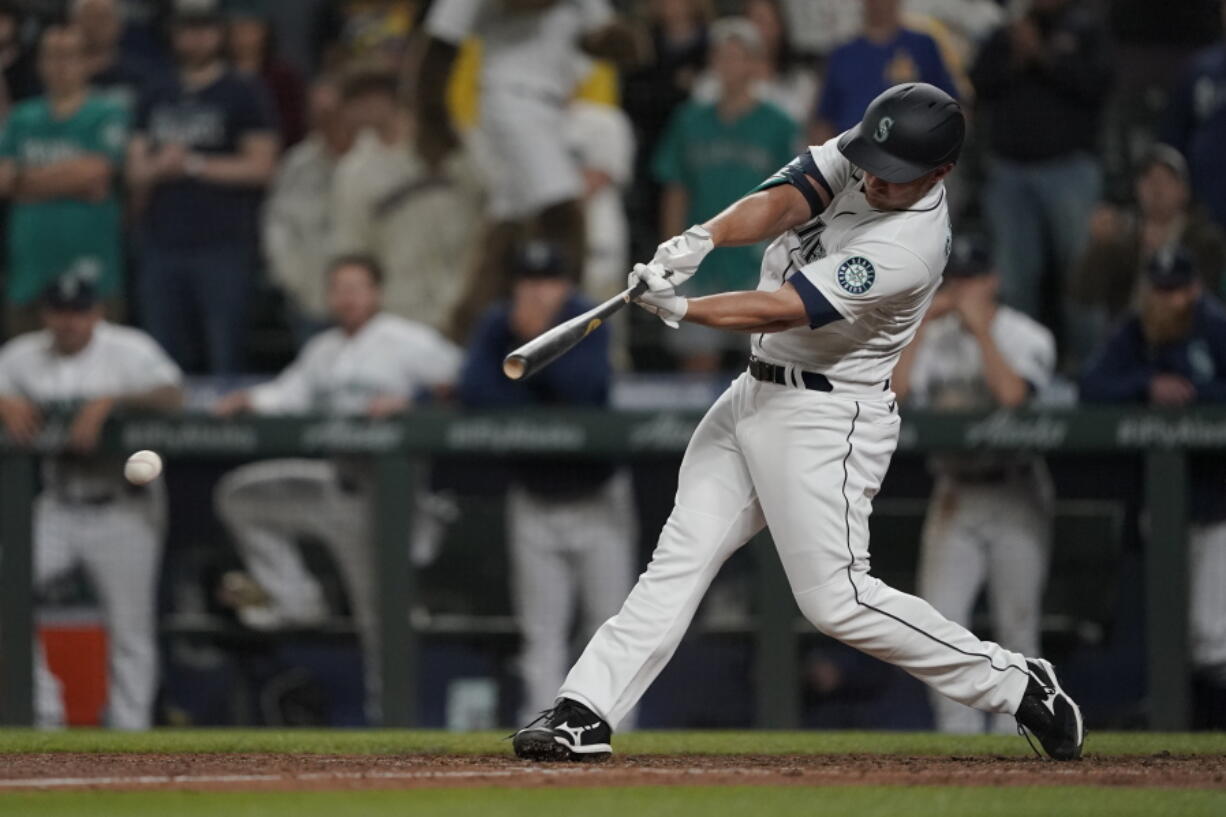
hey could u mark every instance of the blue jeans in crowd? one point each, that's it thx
(194, 301)
(1038, 211)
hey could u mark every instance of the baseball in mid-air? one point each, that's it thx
(143, 467)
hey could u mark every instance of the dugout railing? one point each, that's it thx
(1163, 440)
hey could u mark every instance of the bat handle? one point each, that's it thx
(635, 291)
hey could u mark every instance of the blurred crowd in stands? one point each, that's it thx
(198, 167)
(205, 159)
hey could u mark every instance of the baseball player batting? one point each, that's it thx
(802, 440)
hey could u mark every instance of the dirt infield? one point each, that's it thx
(281, 772)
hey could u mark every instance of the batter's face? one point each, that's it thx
(354, 297)
(71, 329)
(883, 195)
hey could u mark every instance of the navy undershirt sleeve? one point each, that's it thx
(817, 307)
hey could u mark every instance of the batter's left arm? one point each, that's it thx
(755, 312)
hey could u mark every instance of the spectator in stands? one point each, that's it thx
(297, 220)
(782, 81)
(60, 158)
(371, 364)
(253, 51)
(570, 524)
(1122, 243)
(603, 139)
(423, 224)
(990, 516)
(711, 154)
(87, 515)
(886, 53)
(111, 70)
(1171, 352)
(1042, 80)
(205, 146)
(368, 32)
(17, 69)
(1197, 124)
(652, 92)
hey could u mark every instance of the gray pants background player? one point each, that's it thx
(1207, 599)
(118, 544)
(992, 534)
(269, 506)
(568, 557)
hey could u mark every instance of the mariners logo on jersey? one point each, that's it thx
(856, 275)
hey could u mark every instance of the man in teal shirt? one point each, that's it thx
(711, 155)
(59, 160)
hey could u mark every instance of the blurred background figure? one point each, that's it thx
(1042, 81)
(535, 52)
(886, 53)
(422, 222)
(1122, 242)
(205, 146)
(110, 69)
(1171, 353)
(372, 364)
(17, 69)
(652, 91)
(297, 221)
(571, 525)
(1196, 124)
(88, 515)
(60, 160)
(602, 138)
(990, 516)
(252, 46)
(711, 154)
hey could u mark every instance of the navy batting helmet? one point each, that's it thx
(907, 131)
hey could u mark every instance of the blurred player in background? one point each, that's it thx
(989, 522)
(371, 365)
(88, 515)
(1172, 353)
(571, 523)
(535, 52)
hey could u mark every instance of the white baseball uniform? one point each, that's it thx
(89, 515)
(990, 517)
(531, 64)
(808, 463)
(268, 506)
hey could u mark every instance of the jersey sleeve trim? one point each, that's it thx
(801, 173)
(817, 306)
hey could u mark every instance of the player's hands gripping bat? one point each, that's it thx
(539, 352)
(661, 298)
(680, 255)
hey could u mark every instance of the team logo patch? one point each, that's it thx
(883, 129)
(856, 275)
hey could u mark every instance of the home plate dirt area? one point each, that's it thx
(68, 771)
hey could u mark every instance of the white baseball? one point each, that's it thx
(142, 467)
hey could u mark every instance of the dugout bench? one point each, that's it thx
(1162, 439)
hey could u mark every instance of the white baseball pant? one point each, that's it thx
(566, 554)
(994, 533)
(1207, 595)
(119, 547)
(808, 465)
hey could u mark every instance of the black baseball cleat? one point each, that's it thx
(1048, 713)
(569, 731)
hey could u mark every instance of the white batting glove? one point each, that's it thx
(681, 255)
(660, 299)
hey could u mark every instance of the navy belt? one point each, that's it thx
(770, 373)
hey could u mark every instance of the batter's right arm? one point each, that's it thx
(763, 215)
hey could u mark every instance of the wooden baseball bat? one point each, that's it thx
(539, 352)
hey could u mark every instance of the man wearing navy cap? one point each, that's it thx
(1172, 352)
(989, 520)
(570, 524)
(82, 367)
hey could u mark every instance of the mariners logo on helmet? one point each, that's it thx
(856, 275)
(883, 129)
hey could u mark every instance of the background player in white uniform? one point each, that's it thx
(87, 514)
(371, 364)
(989, 521)
(534, 53)
(802, 441)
